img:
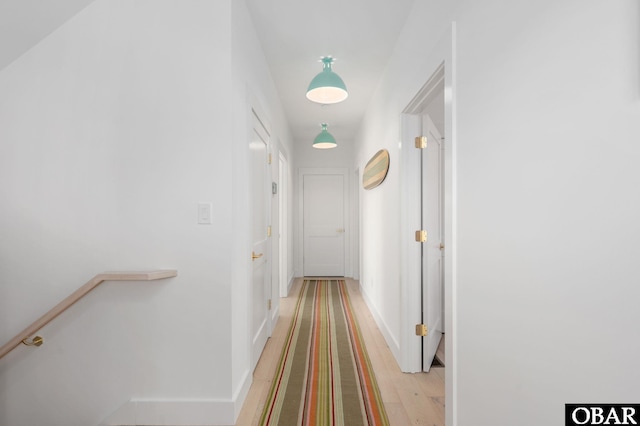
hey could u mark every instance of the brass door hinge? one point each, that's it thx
(421, 236)
(269, 161)
(421, 142)
(421, 330)
(269, 231)
(269, 304)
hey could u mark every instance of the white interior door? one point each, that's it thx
(261, 196)
(324, 224)
(432, 250)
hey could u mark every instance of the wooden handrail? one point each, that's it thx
(79, 294)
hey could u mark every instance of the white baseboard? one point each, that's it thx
(275, 316)
(290, 284)
(174, 413)
(393, 344)
(183, 412)
(241, 393)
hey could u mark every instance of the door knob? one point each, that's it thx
(255, 256)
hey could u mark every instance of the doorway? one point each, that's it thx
(427, 204)
(440, 84)
(324, 199)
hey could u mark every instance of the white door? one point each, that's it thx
(432, 250)
(260, 198)
(324, 224)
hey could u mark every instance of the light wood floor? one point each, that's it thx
(409, 399)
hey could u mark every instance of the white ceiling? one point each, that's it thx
(23, 23)
(294, 34)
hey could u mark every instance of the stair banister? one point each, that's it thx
(74, 297)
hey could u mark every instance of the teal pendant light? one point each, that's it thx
(324, 140)
(327, 87)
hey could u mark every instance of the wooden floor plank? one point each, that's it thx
(431, 383)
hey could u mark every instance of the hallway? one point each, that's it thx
(126, 137)
(408, 398)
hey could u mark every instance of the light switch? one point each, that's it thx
(204, 213)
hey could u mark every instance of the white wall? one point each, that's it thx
(381, 225)
(380, 231)
(112, 129)
(308, 156)
(548, 123)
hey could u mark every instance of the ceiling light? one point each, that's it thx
(324, 140)
(327, 87)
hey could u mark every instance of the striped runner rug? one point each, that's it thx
(324, 376)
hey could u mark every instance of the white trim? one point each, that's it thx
(290, 284)
(275, 315)
(355, 228)
(196, 412)
(451, 234)
(240, 395)
(391, 341)
(283, 223)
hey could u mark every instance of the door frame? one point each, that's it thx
(440, 63)
(302, 172)
(356, 221)
(257, 115)
(283, 223)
